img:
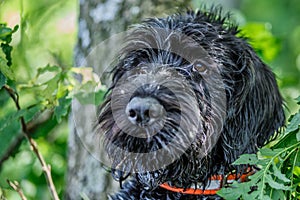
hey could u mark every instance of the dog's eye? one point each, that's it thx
(199, 67)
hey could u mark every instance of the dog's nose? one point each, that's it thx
(144, 111)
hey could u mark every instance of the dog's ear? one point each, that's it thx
(254, 109)
(266, 105)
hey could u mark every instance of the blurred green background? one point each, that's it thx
(48, 36)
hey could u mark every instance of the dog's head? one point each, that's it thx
(187, 98)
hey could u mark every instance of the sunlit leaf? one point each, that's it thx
(62, 109)
(6, 71)
(87, 75)
(51, 87)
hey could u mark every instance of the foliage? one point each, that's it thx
(279, 168)
(54, 88)
(53, 95)
(38, 70)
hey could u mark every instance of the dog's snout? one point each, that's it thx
(144, 111)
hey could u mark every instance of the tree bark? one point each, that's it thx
(87, 178)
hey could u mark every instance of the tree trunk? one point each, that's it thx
(98, 20)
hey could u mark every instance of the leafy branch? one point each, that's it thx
(278, 176)
(52, 89)
(45, 167)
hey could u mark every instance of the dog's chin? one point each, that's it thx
(151, 180)
(141, 170)
(146, 159)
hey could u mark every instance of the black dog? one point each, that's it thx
(188, 97)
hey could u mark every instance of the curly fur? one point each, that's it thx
(253, 114)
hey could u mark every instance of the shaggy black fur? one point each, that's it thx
(220, 101)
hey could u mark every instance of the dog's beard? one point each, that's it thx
(181, 136)
(149, 157)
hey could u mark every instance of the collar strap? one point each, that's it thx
(215, 184)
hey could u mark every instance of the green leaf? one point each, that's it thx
(280, 175)
(11, 126)
(230, 193)
(286, 141)
(15, 28)
(94, 98)
(278, 194)
(62, 109)
(257, 190)
(270, 152)
(257, 176)
(10, 118)
(6, 71)
(27, 113)
(290, 137)
(32, 111)
(6, 48)
(8, 134)
(266, 197)
(45, 128)
(274, 184)
(4, 32)
(294, 123)
(6, 37)
(250, 159)
(52, 86)
(99, 95)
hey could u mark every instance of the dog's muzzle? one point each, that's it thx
(144, 111)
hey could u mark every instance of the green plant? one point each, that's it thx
(53, 89)
(278, 176)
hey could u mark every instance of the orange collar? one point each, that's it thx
(215, 184)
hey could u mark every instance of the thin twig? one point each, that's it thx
(16, 186)
(45, 167)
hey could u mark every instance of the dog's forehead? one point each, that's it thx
(165, 46)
